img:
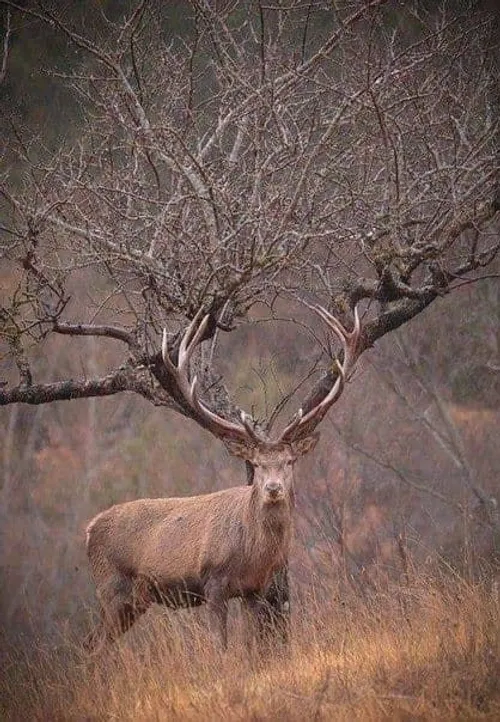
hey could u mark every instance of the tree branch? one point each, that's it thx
(114, 383)
(87, 329)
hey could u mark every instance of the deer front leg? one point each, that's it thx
(261, 626)
(278, 601)
(217, 601)
(269, 614)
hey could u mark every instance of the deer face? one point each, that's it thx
(273, 473)
(273, 465)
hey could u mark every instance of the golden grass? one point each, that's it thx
(428, 651)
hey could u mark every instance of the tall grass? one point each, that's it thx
(426, 650)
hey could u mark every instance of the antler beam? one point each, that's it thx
(306, 423)
(220, 427)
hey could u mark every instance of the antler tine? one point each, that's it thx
(164, 352)
(192, 337)
(295, 422)
(249, 425)
(189, 341)
(348, 339)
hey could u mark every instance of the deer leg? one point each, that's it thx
(217, 609)
(270, 614)
(115, 620)
(260, 627)
(278, 605)
(121, 604)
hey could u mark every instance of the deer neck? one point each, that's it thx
(271, 518)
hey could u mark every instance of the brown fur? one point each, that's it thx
(186, 551)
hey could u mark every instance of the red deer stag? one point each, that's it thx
(209, 548)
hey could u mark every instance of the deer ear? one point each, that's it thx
(304, 446)
(239, 448)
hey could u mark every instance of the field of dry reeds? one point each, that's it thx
(425, 650)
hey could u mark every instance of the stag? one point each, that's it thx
(182, 552)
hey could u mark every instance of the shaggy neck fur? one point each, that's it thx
(274, 520)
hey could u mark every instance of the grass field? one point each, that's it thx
(429, 650)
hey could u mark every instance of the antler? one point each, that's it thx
(188, 390)
(303, 424)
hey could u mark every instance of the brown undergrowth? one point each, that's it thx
(429, 650)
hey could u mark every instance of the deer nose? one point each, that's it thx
(273, 488)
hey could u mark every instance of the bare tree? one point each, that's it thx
(346, 152)
(222, 168)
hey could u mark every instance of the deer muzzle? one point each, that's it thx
(274, 490)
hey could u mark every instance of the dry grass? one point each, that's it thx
(428, 651)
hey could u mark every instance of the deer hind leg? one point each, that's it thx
(121, 604)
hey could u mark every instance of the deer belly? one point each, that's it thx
(178, 593)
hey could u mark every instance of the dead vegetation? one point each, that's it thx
(428, 650)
